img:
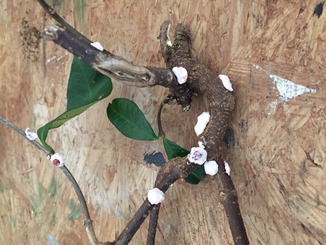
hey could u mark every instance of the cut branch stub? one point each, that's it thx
(117, 67)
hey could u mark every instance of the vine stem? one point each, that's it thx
(22, 133)
(87, 219)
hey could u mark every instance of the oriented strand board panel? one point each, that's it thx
(274, 52)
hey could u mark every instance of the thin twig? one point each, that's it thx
(22, 133)
(88, 223)
(154, 213)
(87, 220)
(231, 206)
(166, 100)
(60, 20)
(172, 171)
(152, 225)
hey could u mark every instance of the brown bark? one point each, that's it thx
(221, 104)
(117, 67)
(200, 81)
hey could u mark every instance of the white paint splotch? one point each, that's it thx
(286, 88)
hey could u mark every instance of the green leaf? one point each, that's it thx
(125, 115)
(196, 176)
(85, 87)
(174, 150)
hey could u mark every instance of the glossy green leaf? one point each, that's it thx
(125, 115)
(174, 150)
(85, 87)
(196, 176)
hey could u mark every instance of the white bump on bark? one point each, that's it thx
(202, 121)
(181, 74)
(30, 135)
(227, 168)
(155, 196)
(201, 144)
(226, 82)
(98, 46)
(211, 168)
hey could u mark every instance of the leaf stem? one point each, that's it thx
(166, 100)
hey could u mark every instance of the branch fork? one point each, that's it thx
(200, 80)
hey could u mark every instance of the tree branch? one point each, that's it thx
(113, 66)
(152, 225)
(231, 206)
(221, 104)
(60, 20)
(201, 80)
(117, 67)
(105, 62)
(172, 171)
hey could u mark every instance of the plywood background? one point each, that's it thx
(277, 150)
